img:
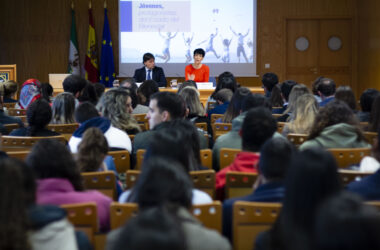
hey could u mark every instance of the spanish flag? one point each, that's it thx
(91, 62)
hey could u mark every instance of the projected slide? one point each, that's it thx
(171, 30)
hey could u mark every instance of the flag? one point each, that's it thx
(107, 67)
(91, 62)
(73, 67)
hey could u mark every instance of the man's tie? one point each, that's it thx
(149, 77)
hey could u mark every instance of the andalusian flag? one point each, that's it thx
(107, 67)
(91, 62)
(73, 67)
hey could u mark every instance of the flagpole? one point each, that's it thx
(105, 4)
(89, 5)
(72, 5)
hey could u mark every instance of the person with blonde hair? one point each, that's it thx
(63, 109)
(297, 91)
(306, 108)
(116, 105)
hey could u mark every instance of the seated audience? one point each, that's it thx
(154, 228)
(234, 107)
(303, 115)
(286, 88)
(92, 155)
(366, 101)
(311, 179)
(74, 84)
(30, 91)
(269, 81)
(335, 126)
(150, 71)
(275, 157)
(99, 89)
(116, 105)
(88, 94)
(46, 91)
(226, 80)
(164, 182)
(374, 122)
(259, 125)
(38, 116)
(4, 118)
(222, 98)
(87, 116)
(344, 222)
(9, 89)
(197, 71)
(314, 88)
(188, 83)
(276, 100)
(345, 94)
(371, 163)
(63, 109)
(59, 179)
(326, 90)
(146, 89)
(295, 92)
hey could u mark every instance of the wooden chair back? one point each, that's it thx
(121, 159)
(219, 129)
(297, 139)
(16, 112)
(227, 156)
(66, 130)
(141, 119)
(132, 137)
(250, 219)
(201, 125)
(239, 184)
(21, 155)
(280, 126)
(371, 137)
(375, 204)
(204, 180)
(348, 176)
(11, 126)
(276, 116)
(209, 214)
(9, 105)
(140, 158)
(349, 156)
(131, 178)
(206, 157)
(25, 143)
(364, 125)
(84, 217)
(121, 213)
(104, 182)
(23, 118)
(215, 117)
(211, 105)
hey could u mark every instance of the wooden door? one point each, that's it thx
(321, 54)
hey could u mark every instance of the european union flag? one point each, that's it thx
(107, 67)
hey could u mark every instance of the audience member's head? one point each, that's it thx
(50, 158)
(345, 94)
(226, 80)
(223, 96)
(345, 222)
(74, 84)
(99, 89)
(235, 105)
(38, 116)
(13, 213)
(191, 97)
(286, 88)
(154, 228)
(333, 113)
(8, 89)
(88, 94)
(30, 92)
(367, 98)
(188, 83)
(269, 80)
(92, 150)
(275, 157)
(85, 111)
(297, 91)
(165, 106)
(254, 101)
(326, 87)
(374, 123)
(275, 97)
(314, 85)
(63, 108)
(116, 105)
(162, 181)
(259, 125)
(129, 83)
(146, 90)
(46, 91)
(303, 116)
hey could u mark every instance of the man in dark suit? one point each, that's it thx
(150, 71)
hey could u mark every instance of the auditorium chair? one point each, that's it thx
(280, 126)
(142, 120)
(131, 177)
(25, 143)
(297, 139)
(211, 105)
(239, 184)
(104, 182)
(227, 156)
(201, 125)
(204, 180)
(9, 105)
(346, 157)
(16, 112)
(11, 126)
(219, 129)
(21, 155)
(121, 158)
(215, 117)
(371, 137)
(348, 176)
(250, 219)
(66, 130)
(140, 158)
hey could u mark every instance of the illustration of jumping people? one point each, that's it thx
(210, 44)
(226, 50)
(166, 51)
(188, 41)
(240, 47)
